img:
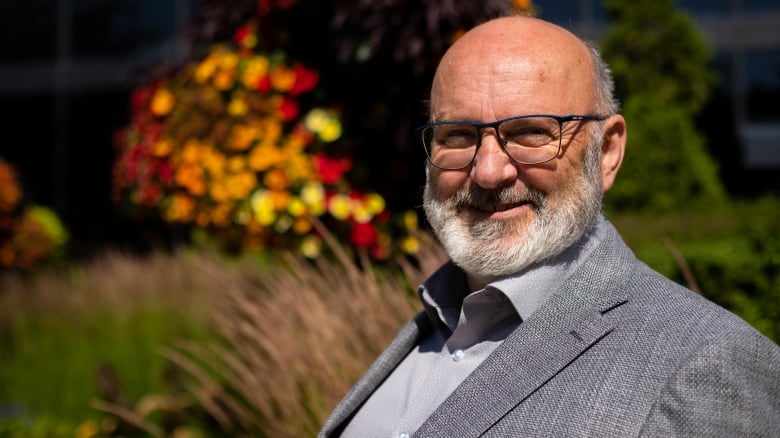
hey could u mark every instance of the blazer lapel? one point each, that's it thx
(408, 337)
(570, 322)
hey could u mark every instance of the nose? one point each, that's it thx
(492, 167)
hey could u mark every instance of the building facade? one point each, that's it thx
(745, 36)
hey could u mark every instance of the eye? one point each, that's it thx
(532, 132)
(455, 136)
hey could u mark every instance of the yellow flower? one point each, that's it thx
(311, 247)
(316, 120)
(410, 220)
(313, 195)
(255, 68)
(296, 206)
(227, 60)
(361, 213)
(331, 131)
(410, 245)
(375, 203)
(204, 70)
(162, 102)
(339, 206)
(263, 208)
(323, 123)
(238, 106)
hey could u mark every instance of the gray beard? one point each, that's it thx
(491, 249)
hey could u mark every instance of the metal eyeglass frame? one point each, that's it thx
(479, 126)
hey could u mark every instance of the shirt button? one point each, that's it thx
(403, 435)
(457, 355)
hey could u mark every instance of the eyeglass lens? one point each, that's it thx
(527, 140)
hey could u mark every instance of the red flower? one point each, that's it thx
(165, 172)
(305, 80)
(363, 234)
(288, 110)
(140, 97)
(245, 36)
(264, 84)
(264, 7)
(379, 252)
(331, 170)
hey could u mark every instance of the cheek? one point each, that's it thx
(447, 182)
(546, 178)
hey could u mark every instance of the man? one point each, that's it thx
(544, 323)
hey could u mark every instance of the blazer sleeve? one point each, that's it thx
(727, 388)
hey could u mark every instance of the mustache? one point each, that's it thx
(484, 199)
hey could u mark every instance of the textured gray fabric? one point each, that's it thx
(467, 328)
(617, 351)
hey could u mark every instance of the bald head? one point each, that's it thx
(547, 67)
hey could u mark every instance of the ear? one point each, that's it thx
(612, 149)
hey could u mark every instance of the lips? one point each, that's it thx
(502, 207)
(493, 208)
(488, 202)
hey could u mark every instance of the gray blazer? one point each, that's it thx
(617, 351)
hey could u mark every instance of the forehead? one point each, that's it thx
(514, 67)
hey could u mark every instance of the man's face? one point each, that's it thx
(496, 216)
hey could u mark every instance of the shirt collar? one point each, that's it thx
(443, 292)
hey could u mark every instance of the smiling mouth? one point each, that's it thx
(493, 208)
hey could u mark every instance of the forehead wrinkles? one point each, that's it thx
(515, 57)
(507, 87)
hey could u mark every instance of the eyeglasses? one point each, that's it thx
(531, 139)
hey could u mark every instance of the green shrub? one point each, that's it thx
(731, 251)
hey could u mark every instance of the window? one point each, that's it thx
(762, 87)
(706, 7)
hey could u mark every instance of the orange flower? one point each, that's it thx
(162, 102)
(276, 180)
(279, 199)
(282, 78)
(10, 193)
(162, 148)
(242, 136)
(240, 185)
(190, 176)
(181, 208)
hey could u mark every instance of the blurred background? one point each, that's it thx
(160, 156)
(68, 68)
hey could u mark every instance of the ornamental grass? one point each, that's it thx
(194, 343)
(298, 337)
